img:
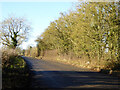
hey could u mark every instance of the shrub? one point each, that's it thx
(114, 65)
(7, 57)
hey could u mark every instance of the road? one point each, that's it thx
(50, 74)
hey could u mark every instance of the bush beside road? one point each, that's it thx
(14, 70)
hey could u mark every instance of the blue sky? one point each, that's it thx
(38, 14)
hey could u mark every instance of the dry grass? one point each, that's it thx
(78, 62)
(71, 59)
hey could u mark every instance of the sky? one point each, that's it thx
(38, 14)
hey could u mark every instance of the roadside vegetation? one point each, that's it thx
(14, 70)
(13, 31)
(87, 36)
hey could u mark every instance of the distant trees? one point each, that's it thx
(13, 31)
(91, 31)
(41, 47)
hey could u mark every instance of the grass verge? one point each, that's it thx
(16, 75)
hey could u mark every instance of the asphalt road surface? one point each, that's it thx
(50, 74)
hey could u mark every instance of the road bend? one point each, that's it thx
(50, 74)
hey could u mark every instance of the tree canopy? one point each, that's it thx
(13, 31)
(91, 30)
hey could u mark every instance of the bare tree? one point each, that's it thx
(13, 31)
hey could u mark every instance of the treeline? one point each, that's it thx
(90, 31)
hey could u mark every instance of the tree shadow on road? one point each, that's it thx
(73, 79)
